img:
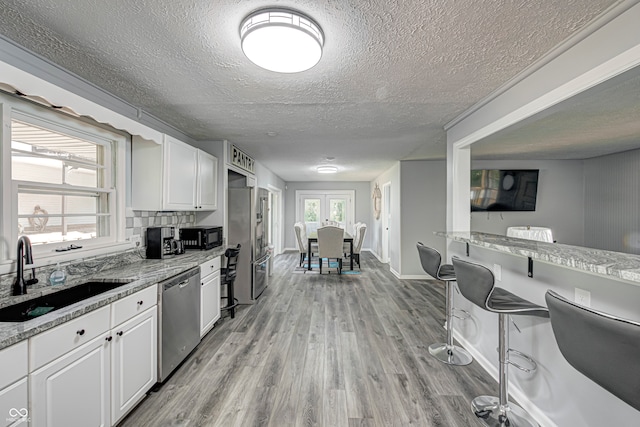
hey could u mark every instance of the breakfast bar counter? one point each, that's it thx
(556, 394)
(613, 265)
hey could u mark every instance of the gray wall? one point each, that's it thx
(560, 203)
(362, 205)
(423, 194)
(613, 202)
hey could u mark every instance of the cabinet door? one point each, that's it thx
(207, 191)
(209, 302)
(134, 361)
(73, 390)
(14, 403)
(179, 180)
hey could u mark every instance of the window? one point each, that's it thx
(314, 207)
(64, 184)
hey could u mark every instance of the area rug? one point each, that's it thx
(332, 269)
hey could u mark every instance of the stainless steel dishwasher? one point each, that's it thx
(179, 320)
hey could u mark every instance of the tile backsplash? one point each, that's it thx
(136, 225)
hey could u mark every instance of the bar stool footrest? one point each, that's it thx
(451, 355)
(489, 413)
(461, 314)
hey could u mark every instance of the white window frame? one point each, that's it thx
(350, 195)
(14, 108)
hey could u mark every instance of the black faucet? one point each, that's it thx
(24, 257)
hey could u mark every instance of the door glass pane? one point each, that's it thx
(337, 209)
(311, 210)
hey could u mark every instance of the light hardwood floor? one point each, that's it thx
(326, 350)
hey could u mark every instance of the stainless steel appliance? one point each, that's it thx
(247, 211)
(179, 320)
(160, 242)
(201, 237)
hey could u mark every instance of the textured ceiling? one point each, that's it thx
(392, 74)
(596, 122)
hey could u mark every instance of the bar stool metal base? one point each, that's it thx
(487, 409)
(451, 355)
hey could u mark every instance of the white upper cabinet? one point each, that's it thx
(207, 182)
(180, 175)
(173, 176)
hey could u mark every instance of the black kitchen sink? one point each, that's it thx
(33, 308)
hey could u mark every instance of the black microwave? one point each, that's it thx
(201, 237)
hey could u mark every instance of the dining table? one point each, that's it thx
(313, 238)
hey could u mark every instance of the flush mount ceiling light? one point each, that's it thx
(327, 169)
(281, 40)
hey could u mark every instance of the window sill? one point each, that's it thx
(42, 259)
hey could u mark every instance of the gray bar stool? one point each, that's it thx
(605, 348)
(477, 284)
(431, 263)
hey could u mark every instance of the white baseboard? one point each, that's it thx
(515, 391)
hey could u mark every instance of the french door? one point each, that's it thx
(317, 207)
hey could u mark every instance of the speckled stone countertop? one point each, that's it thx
(141, 274)
(614, 265)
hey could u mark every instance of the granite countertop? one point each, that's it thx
(614, 265)
(141, 274)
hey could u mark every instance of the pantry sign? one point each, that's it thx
(242, 160)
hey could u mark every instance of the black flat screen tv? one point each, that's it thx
(504, 190)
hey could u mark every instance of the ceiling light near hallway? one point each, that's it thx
(327, 169)
(281, 40)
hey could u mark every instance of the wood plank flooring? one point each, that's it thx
(328, 350)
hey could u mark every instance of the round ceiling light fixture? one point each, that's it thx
(281, 40)
(327, 169)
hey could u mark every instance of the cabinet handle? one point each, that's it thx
(109, 338)
(119, 333)
(80, 332)
(140, 302)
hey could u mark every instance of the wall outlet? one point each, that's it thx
(497, 272)
(136, 240)
(582, 297)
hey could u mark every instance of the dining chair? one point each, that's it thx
(330, 242)
(301, 239)
(358, 238)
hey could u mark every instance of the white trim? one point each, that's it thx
(521, 397)
(32, 85)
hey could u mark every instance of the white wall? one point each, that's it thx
(362, 205)
(559, 205)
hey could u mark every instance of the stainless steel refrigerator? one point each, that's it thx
(247, 219)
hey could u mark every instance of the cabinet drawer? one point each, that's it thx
(209, 267)
(55, 342)
(13, 361)
(128, 307)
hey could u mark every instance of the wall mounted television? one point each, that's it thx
(504, 190)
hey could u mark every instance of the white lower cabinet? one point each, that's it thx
(73, 390)
(134, 362)
(209, 295)
(95, 383)
(14, 404)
